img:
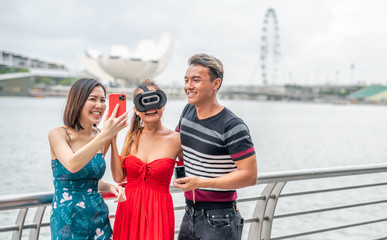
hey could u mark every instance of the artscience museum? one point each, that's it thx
(122, 67)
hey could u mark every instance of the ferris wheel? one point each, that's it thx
(270, 45)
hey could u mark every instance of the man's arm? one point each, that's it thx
(246, 175)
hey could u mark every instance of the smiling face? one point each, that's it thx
(94, 107)
(152, 115)
(198, 86)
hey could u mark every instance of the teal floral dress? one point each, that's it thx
(78, 209)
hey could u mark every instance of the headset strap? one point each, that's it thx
(143, 87)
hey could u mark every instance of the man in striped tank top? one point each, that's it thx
(219, 156)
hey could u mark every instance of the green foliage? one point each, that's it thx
(45, 80)
(67, 81)
(7, 69)
(55, 66)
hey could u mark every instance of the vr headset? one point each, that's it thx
(149, 99)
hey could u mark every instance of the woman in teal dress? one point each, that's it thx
(78, 164)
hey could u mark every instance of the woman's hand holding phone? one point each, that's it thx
(113, 124)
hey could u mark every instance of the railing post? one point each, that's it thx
(34, 233)
(267, 224)
(264, 212)
(21, 217)
(256, 227)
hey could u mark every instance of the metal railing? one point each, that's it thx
(262, 219)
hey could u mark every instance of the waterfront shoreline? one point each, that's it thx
(338, 95)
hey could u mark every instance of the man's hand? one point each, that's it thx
(187, 183)
(245, 175)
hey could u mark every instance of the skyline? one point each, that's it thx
(319, 40)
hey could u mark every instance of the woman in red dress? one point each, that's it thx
(148, 159)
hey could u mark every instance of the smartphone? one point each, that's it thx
(180, 172)
(115, 98)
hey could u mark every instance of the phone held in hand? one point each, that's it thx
(180, 172)
(114, 99)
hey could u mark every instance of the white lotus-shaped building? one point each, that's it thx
(147, 61)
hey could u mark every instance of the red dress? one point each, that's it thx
(147, 213)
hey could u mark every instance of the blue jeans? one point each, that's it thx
(225, 224)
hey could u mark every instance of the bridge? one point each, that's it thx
(21, 83)
(288, 92)
(37, 72)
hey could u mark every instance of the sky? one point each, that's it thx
(320, 41)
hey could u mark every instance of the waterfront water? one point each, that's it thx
(287, 136)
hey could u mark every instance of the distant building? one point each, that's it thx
(9, 59)
(120, 66)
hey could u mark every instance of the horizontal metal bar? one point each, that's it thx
(179, 207)
(25, 200)
(172, 189)
(307, 174)
(45, 224)
(9, 228)
(331, 190)
(250, 199)
(383, 238)
(30, 226)
(328, 229)
(251, 220)
(328, 209)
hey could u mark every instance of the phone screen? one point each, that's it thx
(179, 172)
(115, 98)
